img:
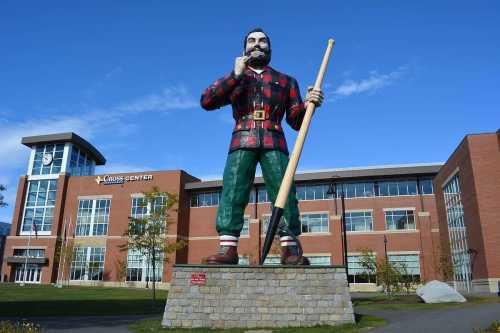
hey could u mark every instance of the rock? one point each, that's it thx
(439, 292)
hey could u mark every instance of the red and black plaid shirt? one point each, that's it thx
(275, 93)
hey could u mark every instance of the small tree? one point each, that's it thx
(121, 270)
(64, 255)
(147, 234)
(387, 274)
(2, 203)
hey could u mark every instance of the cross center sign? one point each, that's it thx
(199, 279)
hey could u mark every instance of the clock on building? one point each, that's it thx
(47, 159)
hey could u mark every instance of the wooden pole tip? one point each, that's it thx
(331, 41)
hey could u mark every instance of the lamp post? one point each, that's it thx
(332, 189)
(386, 265)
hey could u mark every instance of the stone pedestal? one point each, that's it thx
(257, 296)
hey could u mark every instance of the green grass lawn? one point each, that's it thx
(362, 323)
(413, 302)
(46, 300)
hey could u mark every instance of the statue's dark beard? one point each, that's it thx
(259, 61)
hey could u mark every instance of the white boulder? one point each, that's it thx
(439, 292)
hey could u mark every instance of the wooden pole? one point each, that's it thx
(287, 181)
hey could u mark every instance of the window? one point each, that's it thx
(313, 192)
(399, 220)
(262, 195)
(358, 273)
(93, 217)
(205, 199)
(426, 186)
(246, 226)
(80, 164)
(244, 260)
(40, 203)
(357, 190)
(396, 188)
(33, 273)
(265, 223)
(140, 269)
(56, 153)
(272, 260)
(457, 233)
(314, 222)
(407, 264)
(88, 263)
(319, 260)
(142, 209)
(34, 253)
(359, 221)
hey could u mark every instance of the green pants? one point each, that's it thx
(239, 174)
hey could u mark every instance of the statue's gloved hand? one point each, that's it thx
(240, 63)
(314, 96)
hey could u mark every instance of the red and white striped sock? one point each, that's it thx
(228, 240)
(287, 241)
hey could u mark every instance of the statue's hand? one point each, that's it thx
(314, 96)
(240, 63)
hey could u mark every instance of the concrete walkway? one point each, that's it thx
(409, 321)
(443, 321)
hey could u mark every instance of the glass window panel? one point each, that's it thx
(314, 222)
(426, 186)
(246, 226)
(402, 188)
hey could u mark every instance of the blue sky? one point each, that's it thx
(407, 80)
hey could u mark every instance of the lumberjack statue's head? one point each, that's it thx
(257, 46)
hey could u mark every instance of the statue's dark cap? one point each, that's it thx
(256, 30)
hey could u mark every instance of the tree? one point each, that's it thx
(388, 275)
(2, 203)
(147, 234)
(121, 270)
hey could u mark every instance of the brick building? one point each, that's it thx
(398, 212)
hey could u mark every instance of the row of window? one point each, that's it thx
(88, 265)
(355, 221)
(408, 265)
(324, 191)
(93, 214)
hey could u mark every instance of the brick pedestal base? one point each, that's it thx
(257, 296)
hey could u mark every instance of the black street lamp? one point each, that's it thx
(332, 189)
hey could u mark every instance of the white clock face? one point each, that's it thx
(47, 159)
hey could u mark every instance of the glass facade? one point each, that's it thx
(400, 220)
(92, 217)
(80, 164)
(359, 221)
(457, 233)
(48, 160)
(140, 269)
(39, 208)
(88, 263)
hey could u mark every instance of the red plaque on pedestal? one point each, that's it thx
(199, 279)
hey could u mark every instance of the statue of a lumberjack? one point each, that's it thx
(260, 97)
